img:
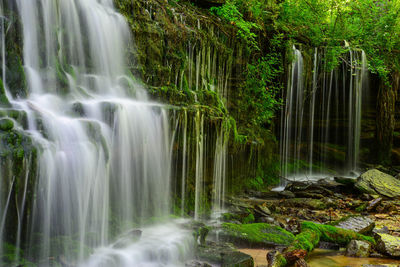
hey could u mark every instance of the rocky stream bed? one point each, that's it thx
(332, 222)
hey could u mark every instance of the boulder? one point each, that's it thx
(360, 224)
(224, 255)
(357, 248)
(263, 210)
(377, 182)
(389, 245)
(374, 203)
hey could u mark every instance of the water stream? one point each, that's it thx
(321, 120)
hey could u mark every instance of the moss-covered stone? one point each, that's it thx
(389, 245)
(377, 182)
(256, 234)
(312, 233)
(335, 235)
(6, 125)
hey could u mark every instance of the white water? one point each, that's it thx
(323, 118)
(105, 150)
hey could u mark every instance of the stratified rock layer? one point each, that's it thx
(377, 182)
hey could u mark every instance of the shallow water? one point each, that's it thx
(329, 258)
(164, 245)
(323, 258)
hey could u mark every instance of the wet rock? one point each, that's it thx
(6, 125)
(366, 197)
(328, 245)
(267, 219)
(377, 182)
(383, 230)
(263, 210)
(359, 224)
(374, 203)
(275, 259)
(346, 180)
(389, 245)
(131, 236)
(224, 254)
(309, 195)
(287, 194)
(376, 255)
(195, 263)
(357, 248)
(301, 263)
(314, 204)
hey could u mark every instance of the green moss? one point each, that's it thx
(361, 208)
(249, 218)
(6, 124)
(306, 240)
(3, 98)
(12, 256)
(329, 233)
(257, 234)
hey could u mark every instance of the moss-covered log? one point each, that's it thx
(310, 236)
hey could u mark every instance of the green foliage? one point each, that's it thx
(249, 219)
(262, 88)
(230, 12)
(372, 25)
(12, 256)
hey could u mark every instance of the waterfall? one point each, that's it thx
(292, 114)
(104, 150)
(321, 120)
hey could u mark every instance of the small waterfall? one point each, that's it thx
(292, 114)
(199, 185)
(220, 158)
(201, 148)
(321, 121)
(104, 150)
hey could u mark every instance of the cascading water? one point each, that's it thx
(321, 121)
(200, 163)
(104, 154)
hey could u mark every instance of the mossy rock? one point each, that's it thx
(256, 235)
(360, 224)
(6, 125)
(329, 233)
(310, 203)
(389, 245)
(376, 182)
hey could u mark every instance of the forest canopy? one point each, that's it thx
(370, 25)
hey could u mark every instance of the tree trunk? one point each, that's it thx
(385, 118)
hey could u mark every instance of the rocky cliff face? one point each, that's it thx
(190, 58)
